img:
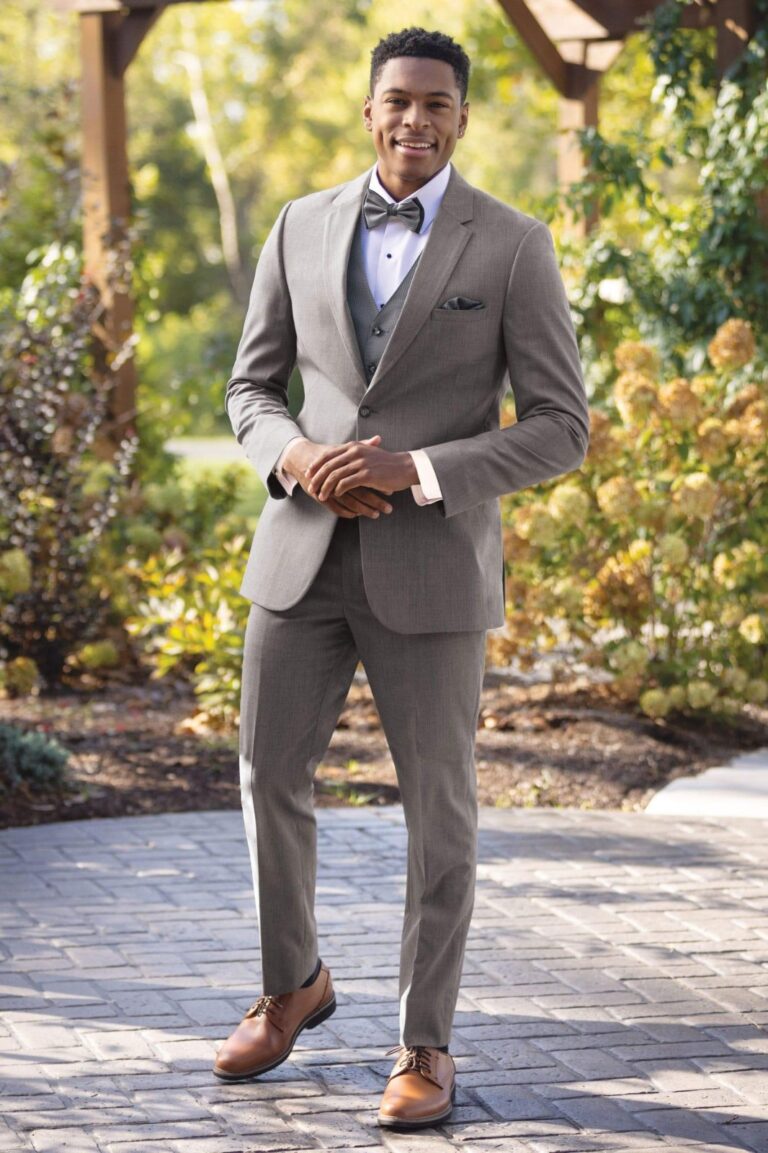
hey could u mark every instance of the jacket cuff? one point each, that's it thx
(288, 482)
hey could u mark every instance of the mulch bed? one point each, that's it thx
(137, 749)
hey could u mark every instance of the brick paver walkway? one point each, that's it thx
(615, 991)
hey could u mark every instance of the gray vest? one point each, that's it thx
(373, 325)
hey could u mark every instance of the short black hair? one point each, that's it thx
(419, 42)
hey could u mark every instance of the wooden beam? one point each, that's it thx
(736, 22)
(617, 19)
(535, 38)
(86, 6)
(698, 15)
(132, 31)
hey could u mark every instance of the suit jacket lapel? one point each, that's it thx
(340, 227)
(447, 239)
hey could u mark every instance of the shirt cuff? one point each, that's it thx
(427, 491)
(288, 482)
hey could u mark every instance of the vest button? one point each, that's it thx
(365, 410)
(377, 331)
(371, 368)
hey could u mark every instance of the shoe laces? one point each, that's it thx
(417, 1058)
(261, 1008)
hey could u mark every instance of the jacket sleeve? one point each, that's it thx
(551, 434)
(256, 398)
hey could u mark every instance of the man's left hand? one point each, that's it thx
(349, 465)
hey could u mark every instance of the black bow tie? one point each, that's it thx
(376, 211)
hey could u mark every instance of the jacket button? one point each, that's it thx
(365, 410)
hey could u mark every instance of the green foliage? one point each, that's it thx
(98, 655)
(39, 135)
(19, 677)
(683, 202)
(649, 561)
(182, 357)
(56, 496)
(190, 509)
(189, 615)
(29, 761)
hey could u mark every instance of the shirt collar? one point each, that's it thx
(430, 194)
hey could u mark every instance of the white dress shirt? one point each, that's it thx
(389, 252)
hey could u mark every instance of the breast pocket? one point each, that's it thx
(459, 315)
(463, 336)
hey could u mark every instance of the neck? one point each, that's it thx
(402, 189)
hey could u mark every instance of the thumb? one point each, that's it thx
(371, 439)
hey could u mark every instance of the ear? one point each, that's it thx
(463, 118)
(367, 114)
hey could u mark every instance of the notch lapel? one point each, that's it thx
(447, 240)
(340, 227)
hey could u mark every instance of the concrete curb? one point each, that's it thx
(738, 789)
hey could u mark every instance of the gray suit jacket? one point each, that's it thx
(438, 386)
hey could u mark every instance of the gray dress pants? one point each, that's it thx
(298, 666)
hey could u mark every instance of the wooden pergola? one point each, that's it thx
(574, 41)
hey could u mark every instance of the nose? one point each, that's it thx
(416, 116)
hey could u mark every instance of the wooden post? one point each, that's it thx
(106, 200)
(575, 113)
(735, 20)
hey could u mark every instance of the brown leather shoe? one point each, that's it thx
(420, 1090)
(268, 1031)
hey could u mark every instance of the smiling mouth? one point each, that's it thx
(414, 147)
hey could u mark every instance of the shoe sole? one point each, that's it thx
(388, 1122)
(311, 1022)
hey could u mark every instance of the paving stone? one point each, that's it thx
(622, 1087)
(686, 1124)
(593, 1063)
(211, 1145)
(112, 1043)
(597, 1113)
(62, 1141)
(751, 1084)
(514, 1102)
(75, 1117)
(614, 995)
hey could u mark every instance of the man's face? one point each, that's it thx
(415, 116)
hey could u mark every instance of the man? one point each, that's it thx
(409, 301)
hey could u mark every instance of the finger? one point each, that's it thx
(351, 481)
(336, 450)
(368, 497)
(358, 505)
(330, 454)
(350, 474)
(323, 472)
(340, 510)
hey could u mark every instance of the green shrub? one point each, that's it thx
(29, 761)
(190, 616)
(57, 490)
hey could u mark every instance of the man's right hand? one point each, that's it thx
(357, 502)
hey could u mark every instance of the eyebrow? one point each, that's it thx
(405, 92)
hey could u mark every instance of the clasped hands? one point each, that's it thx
(348, 478)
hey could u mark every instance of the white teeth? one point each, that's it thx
(406, 144)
